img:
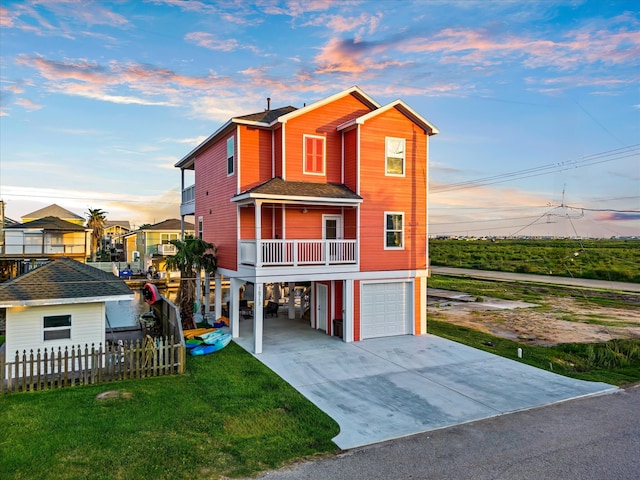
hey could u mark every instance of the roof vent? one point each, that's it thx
(268, 104)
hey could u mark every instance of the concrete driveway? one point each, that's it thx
(387, 388)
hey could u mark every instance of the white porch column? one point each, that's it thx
(347, 321)
(292, 301)
(258, 222)
(198, 317)
(234, 307)
(207, 295)
(217, 300)
(258, 305)
(422, 302)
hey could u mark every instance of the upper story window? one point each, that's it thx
(313, 154)
(394, 230)
(57, 327)
(230, 151)
(395, 156)
(200, 227)
(165, 238)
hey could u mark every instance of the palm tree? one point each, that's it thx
(192, 256)
(96, 219)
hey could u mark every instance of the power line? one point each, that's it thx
(594, 159)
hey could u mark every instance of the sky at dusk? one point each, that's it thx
(537, 103)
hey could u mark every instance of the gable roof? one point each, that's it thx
(270, 118)
(354, 91)
(403, 108)
(117, 223)
(305, 192)
(63, 281)
(54, 211)
(49, 223)
(169, 224)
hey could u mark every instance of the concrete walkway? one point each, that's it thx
(387, 388)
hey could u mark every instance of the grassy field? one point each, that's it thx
(229, 415)
(616, 362)
(613, 260)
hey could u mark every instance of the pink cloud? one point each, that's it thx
(28, 104)
(110, 82)
(348, 56)
(211, 42)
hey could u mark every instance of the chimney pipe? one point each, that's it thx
(268, 104)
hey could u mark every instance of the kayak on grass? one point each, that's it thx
(205, 349)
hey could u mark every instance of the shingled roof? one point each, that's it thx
(54, 211)
(50, 223)
(169, 224)
(63, 281)
(277, 187)
(268, 116)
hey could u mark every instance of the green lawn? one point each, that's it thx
(229, 415)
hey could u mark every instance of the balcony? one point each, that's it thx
(166, 249)
(188, 204)
(268, 253)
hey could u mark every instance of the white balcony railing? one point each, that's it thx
(265, 253)
(166, 249)
(188, 204)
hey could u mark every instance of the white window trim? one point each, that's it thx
(304, 155)
(384, 239)
(56, 329)
(200, 227)
(404, 157)
(233, 168)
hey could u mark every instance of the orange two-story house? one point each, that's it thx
(333, 193)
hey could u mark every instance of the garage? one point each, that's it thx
(385, 310)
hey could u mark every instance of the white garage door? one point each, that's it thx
(386, 310)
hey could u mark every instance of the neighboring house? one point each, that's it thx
(333, 193)
(150, 244)
(29, 244)
(54, 211)
(58, 305)
(113, 238)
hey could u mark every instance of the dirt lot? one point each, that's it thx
(578, 318)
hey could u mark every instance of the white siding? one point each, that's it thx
(24, 328)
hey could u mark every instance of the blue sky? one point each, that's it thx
(100, 99)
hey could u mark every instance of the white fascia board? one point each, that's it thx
(400, 105)
(189, 158)
(64, 301)
(249, 197)
(363, 97)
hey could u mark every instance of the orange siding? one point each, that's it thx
(277, 152)
(382, 193)
(213, 191)
(350, 159)
(255, 156)
(321, 121)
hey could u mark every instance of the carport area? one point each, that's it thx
(385, 388)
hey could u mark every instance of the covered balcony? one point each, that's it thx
(298, 224)
(295, 253)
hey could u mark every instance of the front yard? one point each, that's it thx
(229, 415)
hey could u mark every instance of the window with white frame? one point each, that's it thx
(394, 230)
(166, 238)
(395, 156)
(200, 227)
(57, 327)
(230, 152)
(313, 154)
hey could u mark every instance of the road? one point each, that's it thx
(592, 438)
(524, 277)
